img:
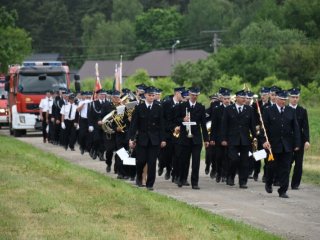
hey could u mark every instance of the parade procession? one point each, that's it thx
(141, 136)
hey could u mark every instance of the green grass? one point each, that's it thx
(45, 197)
(311, 172)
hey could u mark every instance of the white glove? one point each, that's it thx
(63, 126)
(90, 129)
(77, 127)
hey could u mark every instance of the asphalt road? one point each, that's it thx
(295, 218)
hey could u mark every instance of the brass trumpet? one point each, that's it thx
(188, 127)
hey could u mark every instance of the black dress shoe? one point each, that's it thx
(218, 178)
(263, 178)
(206, 170)
(212, 174)
(81, 151)
(196, 187)
(223, 179)
(283, 195)
(179, 184)
(255, 177)
(94, 155)
(150, 188)
(101, 158)
(167, 176)
(268, 188)
(108, 169)
(138, 183)
(160, 171)
(295, 188)
(72, 149)
(230, 182)
(186, 183)
(243, 186)
(132, 178)
(120, 177)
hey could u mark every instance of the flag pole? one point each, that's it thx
(270, 158)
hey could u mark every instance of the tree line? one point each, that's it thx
(257, 39)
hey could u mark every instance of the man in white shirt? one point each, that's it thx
(68, 124)
(44, 108)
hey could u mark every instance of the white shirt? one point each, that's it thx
(46, 104)
(238, 106)
(147, 105)
(192, 104)
(294, 107)
(83, 112)
(65, 110)
(279, 108)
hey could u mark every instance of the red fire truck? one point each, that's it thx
(26, 85)
(4, 112)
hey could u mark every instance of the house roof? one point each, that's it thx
(156, 63)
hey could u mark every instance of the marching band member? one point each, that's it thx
(237, 124)
(216, 136)
(191, 141)
(302, 118)
(168, 158)
(284, 135)
(68, 124)
(147, 122)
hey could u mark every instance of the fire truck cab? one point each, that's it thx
(26, 85)
(4, 112)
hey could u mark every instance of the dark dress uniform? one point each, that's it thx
(284, 135)
(211, 155)
(148, 124)
(97, 134)
(236, 128)
(56, 108)
(216, 136)
(166, 157)
(191, 146)
(257, 164)
(302, 118)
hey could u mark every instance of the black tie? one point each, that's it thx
(149, 107)
(70, 112)
(239, 110)
(282, 110)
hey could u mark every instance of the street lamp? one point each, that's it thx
(172, 50)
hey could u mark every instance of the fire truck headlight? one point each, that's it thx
(22, 119)
(2, 110)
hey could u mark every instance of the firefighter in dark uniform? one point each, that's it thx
(167, 158)
(302, 118)
(83, 109)
(148, 123)
(120, 129)
(263, 104)
(210, 151)
(237, 126)
(95, 122)
(283, 132)
(216, 136)
(190, 141)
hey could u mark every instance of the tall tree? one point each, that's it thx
(157, 28)
(126, 10)
(15, 43)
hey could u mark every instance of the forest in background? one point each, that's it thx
(260, 42)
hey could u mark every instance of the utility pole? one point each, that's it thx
(215, 40)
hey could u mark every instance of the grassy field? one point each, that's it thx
(45, 197)
(311, 172)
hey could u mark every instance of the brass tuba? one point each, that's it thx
(107, 123)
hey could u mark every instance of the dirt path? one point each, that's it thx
(295, 218)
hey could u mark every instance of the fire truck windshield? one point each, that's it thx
(3, 93)
(40, 83)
